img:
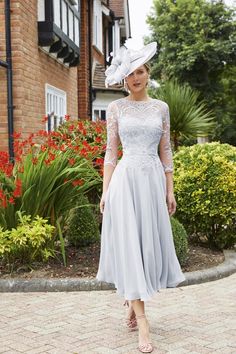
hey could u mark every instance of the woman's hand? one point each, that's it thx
(102, 202)
(171, 203)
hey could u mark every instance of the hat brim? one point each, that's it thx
(147, 52)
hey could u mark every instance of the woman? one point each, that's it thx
(137, 249)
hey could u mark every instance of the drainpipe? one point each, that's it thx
(8, 65)
(90, 60)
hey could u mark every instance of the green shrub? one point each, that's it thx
(31, 240)
(180, 240)
(82, 227)
(204, 178)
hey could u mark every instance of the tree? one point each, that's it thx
(189, 118)
(196, 42)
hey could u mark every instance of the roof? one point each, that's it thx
(117, 6)
(99, 80)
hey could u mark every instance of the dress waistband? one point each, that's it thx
(134, 153)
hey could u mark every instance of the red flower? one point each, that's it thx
(99, 161)
(52, 156)
(98, 139)
(42, 133)
(67, 117)
(80, 125)
(43, 148)
(83, 152)
(75, 148)
(98, 130)
(18, 190)
(21, 169)
(78, 182)
(72, 161)
(11, 200)
(4, 201)
(71, 127)
(47, 161)
(16, 135)
(2, 195)
(44, 119)
(18, 158)
(34, 160)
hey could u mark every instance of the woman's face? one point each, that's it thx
(138, 79)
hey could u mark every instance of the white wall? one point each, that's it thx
(103, 99)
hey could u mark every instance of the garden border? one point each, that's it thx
(222, 270)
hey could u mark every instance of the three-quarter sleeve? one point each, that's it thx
(165, 151)
(113, 139)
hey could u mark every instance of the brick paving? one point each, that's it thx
(192, 319)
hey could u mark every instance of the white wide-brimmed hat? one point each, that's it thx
(126, 61)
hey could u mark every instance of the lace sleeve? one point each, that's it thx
(113, 139)
(164, 146)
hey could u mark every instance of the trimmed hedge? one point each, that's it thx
(180, 240)
(82, 227)
(204, 179)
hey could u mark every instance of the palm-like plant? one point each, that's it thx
(189, 116)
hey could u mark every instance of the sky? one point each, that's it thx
(139, 9)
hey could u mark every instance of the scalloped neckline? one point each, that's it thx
(141, 101)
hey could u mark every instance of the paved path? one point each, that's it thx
(192, 319)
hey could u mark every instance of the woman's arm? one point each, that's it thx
(111, 154)
(170, 198)
(166, 158)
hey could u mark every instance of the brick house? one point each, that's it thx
(56, 49)
(45, 49)
(111, 28)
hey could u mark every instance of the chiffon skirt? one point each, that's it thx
(137, 249)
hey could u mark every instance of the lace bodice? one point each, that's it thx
(140, 126)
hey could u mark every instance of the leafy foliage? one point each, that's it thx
(82, 228)
(196, 45)
(195, 38)
(180, 240)
(47, 176)
(32, 239)
(204, 178)
(189, 117)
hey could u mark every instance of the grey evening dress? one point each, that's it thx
(137, 248)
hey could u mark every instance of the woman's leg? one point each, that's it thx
(144, 336)
(131, 313)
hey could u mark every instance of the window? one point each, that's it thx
(66, 18)
(97, 24)
(55, 106)
(99, 114)
(59, 30)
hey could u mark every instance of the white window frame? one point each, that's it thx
(97, 25)
(76, 4)
(57, 15)
(99, 109)
(41, 10)
(55, 106)
(116, 37)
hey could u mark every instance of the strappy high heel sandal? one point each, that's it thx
(130, 322)
(147, 347)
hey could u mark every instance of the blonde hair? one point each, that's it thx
(148, 67)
